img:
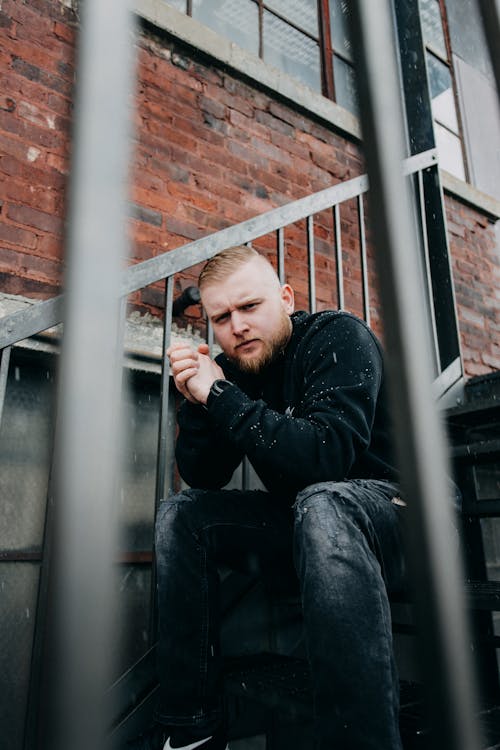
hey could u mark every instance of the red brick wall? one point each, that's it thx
(475, 258)
(210, 151)
(36, 74)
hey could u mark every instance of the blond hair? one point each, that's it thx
(226, 262)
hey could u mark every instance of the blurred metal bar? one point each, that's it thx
(437, 576)
(311, 268)
(88, 430)
(4, 372)
(161, 460)
(490, 12)
(364, 264)
(338, 256)
(280, 242)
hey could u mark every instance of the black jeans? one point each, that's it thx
(344, 539)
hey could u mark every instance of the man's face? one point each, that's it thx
(250, 314)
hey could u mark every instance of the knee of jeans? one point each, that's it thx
(174, 514)
(322, 492)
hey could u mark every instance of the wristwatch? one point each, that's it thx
(219, 385)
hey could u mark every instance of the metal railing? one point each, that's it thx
(47, 314)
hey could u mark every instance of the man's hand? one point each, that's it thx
(193, 371)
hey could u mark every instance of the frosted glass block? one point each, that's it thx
(432, 25)
(303, 13)
(340, 32)
(18, 596)
(25, 452)
(237, 20)
(291, 51)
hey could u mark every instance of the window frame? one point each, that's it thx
(327, 51)
(430, 49)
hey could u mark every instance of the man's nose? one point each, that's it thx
(238, 323)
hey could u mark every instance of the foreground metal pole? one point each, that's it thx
(88, 434)
(419, 436)
(490, 12)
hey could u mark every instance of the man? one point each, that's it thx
(302, 397)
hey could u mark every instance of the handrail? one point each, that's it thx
(42, 315)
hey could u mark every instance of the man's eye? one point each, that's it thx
(221, 318)
(249, 306)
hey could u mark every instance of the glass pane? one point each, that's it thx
(449, 151)
(467, 35)
(138, 489)
(25, 451)
(432, 25)
(443, 101)
(346, 93)
(133, 586)
(179, 4)
(291, 51)
(238, 20)
(340, 12)
(303, 13)
(18, 593)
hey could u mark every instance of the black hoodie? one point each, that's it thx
(317, 413)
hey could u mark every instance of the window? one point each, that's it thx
(307, 39)
(440, 73)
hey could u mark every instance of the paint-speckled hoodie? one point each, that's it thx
(318, 413)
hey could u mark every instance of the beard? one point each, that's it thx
(270, 351)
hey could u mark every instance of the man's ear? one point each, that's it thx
(287, 298)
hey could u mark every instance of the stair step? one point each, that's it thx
(284, 683)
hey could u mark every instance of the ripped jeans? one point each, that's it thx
(344, 541)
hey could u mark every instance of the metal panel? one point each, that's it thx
(437, 576)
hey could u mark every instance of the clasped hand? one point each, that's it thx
(193, 371)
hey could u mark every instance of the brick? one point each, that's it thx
(29, 132)
(63, 31)
(5, 21)
(33, 218)
(213, 107)
(49, 201)
(17, 236)
(11, 284)
(147, 215)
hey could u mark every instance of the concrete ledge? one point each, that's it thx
(142, 341)
(470, 195)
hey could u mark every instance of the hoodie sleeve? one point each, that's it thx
(205, 456)
(339, 369)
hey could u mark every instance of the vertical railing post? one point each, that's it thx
(4, 372)
(88, 414)
(311, 265)
(364, 260)
(338, 256)
(280, 253)
(436, 569)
